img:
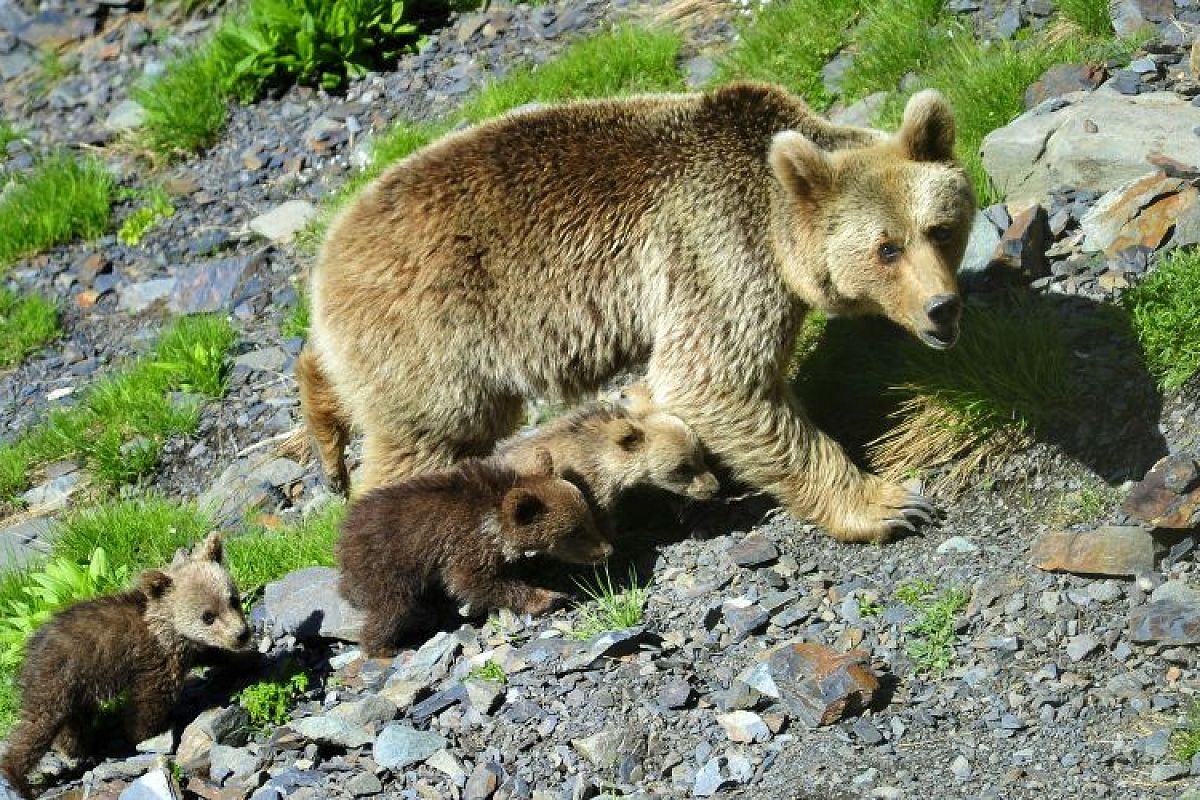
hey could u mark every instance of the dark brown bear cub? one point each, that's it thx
(143, 641)
(459, 531)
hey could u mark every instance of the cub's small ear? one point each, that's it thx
(927, 132)
(628, 436)
(523, 507)
(803, 168)
(154, 583)
(182, 556)
(543, 462)
(211, 549)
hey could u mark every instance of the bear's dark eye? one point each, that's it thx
(889, 253)
(939, 233)
(208, 617)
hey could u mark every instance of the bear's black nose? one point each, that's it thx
(943, 309)
(244, 636)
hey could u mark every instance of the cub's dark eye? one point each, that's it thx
(889, 253)
(939, 233)
(208, 618)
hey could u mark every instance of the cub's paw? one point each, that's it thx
(887, 510)
(543, 601)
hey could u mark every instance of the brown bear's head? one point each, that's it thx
(660, 447)
(543, 514)
(879, 229)
(195, 598)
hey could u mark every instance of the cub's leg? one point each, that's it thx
(483, 592)
(766, 438)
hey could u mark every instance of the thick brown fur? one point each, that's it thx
(607, 448)
(143, 641)
(541, 253)
(457, 531)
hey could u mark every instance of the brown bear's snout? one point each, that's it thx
(943, 311)
(704, 487)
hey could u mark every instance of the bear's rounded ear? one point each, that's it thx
(927, 132)
(523, 507)
(635, 398)
(628, 436)
(543, 462)
(182, 556)
(154, 583)
(211, 549)
(803, 168)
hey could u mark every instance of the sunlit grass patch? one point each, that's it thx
(26, 324)
(60, 199)
(609, 608)
(789, 42)
(1165, 311)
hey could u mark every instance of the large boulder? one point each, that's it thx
(306, 604)
(1090, 140)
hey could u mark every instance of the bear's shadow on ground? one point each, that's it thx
(1111, 426)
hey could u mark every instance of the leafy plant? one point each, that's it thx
(59, 583)
(157, 207)
(609, 609)
(488, 671)
(1185, 741)
(323, 42)
(931, 634)
(268, 703)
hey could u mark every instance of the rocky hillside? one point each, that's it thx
(1039, 642)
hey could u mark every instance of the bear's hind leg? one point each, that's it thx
(325, 420)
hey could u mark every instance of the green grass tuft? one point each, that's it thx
(897, 37)
(789, 42)
(931, 634)
(624, 61)
(186, 107)
(261, 556)
(1185, 741)
(118, 427)
(1165, 312)
(60, 199)
(138, 533)
(1092, 16)
(26, 323)
(8, 135)
(609, 609)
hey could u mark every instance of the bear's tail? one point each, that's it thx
(325, 420)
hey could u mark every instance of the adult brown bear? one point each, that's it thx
(540, 253)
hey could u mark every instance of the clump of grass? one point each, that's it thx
(1092, 16)
(897, 37)
(931, 634)
(1083, 505)
(119, 426)
(136, 533)
(297, 320)
(1185, 741)
(26, 323)
(268, 704)
(1165, 312)
(156, 207)
(262, 556)
(789, 42)
(187, 106)
(609, 609)
(488, 671)
(626, 60)
(869, 608)
(8, 135)
(1008, 376)
(60, 199)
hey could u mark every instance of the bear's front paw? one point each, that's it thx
(543, 601)
(888, 509)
